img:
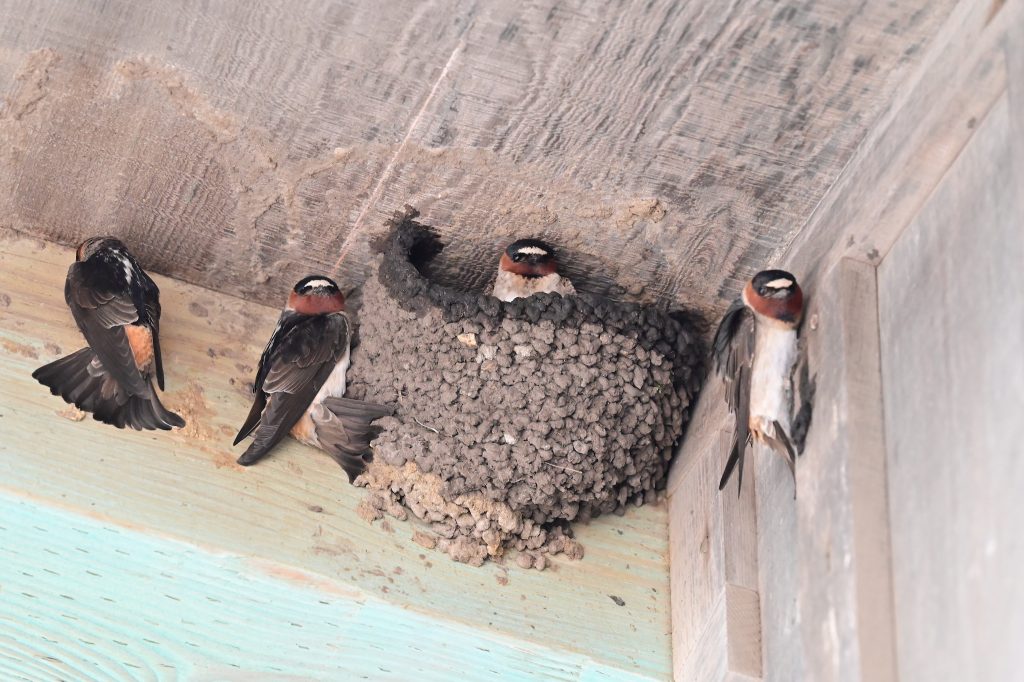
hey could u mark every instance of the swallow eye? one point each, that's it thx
(518, 258)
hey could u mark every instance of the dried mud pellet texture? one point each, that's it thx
(514, 418)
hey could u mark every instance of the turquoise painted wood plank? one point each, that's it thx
(294, 509)
(83, 599)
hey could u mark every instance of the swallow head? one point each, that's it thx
(529, 258)
(316, 295)
(94, 245)
(775, 295)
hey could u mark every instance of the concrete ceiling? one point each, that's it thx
(675, 147)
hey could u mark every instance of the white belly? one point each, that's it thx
(771, 385)
(305, 429)
(509, 286)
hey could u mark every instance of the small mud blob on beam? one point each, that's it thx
(72, 413)
(558, 410)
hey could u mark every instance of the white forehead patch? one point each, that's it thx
(781, 283)
(317, 283)
(127, 265)
(532, 249)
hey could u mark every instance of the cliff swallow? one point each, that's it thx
(117, 307)
(301, 380)
(755, 348)
(528, 267)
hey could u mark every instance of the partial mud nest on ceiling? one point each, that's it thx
(516, 418)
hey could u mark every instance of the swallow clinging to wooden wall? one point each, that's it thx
(755, 349)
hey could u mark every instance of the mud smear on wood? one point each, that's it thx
(191, 405)
(21, 349)
(72, 413)
(559, 410)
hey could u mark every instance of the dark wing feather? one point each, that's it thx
(285, 323)
(158, 360)
(82, 380)
(806, 389)
(734, 356)
(784, 447)
(259, 404)
(302, 354)
(151, 294)
(726, 332)
(734, 457)
(101, 313)
(346, 430)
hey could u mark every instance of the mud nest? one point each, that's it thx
(514, 418)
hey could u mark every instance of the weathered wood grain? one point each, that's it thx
(231, 144)
(779, 560)
(843, 571)
(713, 549)
(1013, 47)
(916, 139)
(812, 602)
(952, 321)
(295, 509)
(676, 147)
(730, 118)
(84, 599)
(710, 660)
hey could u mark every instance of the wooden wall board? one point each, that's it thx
(1013, 47)
(952, 320)
(811, 602)
(232, 144)
(843, 566)
(908, 151)
(85, 599)
(295, 509)
(677, 147)
(710, 660)
(713, 561)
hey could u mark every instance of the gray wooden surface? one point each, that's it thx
(952, 322)
(716, 622)
(915, 140)
(820, 617)
(840, 580)
(676, 147)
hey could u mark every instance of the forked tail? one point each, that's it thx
(81, 380)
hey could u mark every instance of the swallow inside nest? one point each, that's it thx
(516, 418)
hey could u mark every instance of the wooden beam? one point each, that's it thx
(296, 509)
(716, 621)
(677, 146)
(952, 317)
(844, 572)
(817, 556)
(914, 141)
(88, 599)
(1013, 47)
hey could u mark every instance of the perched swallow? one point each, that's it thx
(755, 348)
(117, 308)
(301, 380)
(528, 267)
